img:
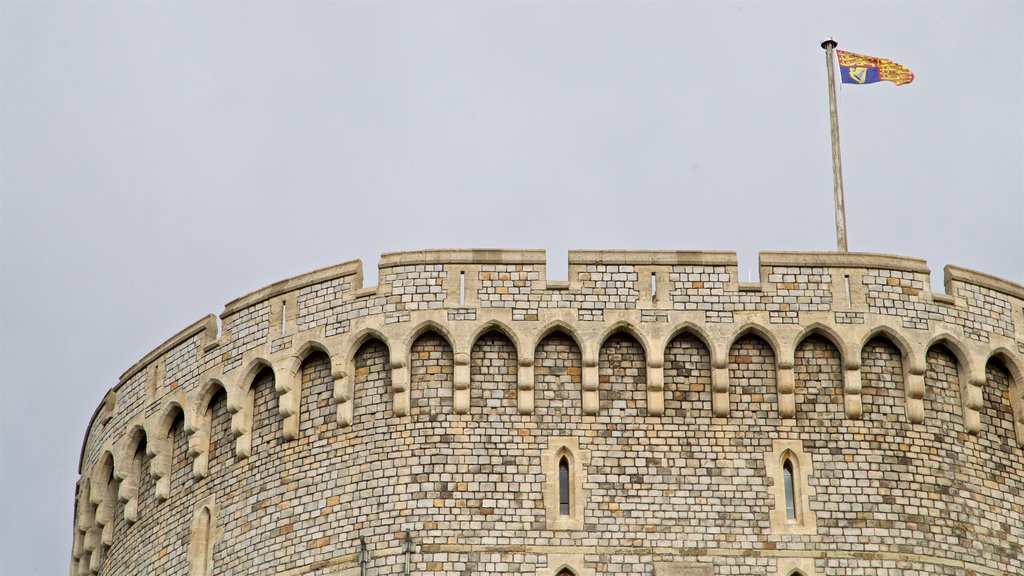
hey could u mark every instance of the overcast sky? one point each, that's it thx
(160, 159)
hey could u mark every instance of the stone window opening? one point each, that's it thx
(204, 532)
(788, 469)
(563, 486)
(787, 480)
(564, 465)
(566, 572)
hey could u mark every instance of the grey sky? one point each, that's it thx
(160, 159)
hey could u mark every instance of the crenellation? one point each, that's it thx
(426, 405)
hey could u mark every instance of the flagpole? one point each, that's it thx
(837, 163)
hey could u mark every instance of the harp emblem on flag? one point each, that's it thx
(859, 75)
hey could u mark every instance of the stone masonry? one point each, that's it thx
(421, 424)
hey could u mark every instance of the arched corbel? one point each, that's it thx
(785, 381)
(591, 378)
(656, 381)
(198, 422)
(241, 404)
(400, 384)
(160, 444)
(852, 386)
(525, 393)
(719, 379)
(288, 385)
(461, 382)
(127, 472)
(914, 371)
(344, 390)
(973, 376)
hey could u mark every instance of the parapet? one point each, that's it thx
(848, 299)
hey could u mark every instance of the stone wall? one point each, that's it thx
(435, 406)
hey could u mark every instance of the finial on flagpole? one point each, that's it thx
(829, 42)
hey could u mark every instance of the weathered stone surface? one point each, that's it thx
(437, 403)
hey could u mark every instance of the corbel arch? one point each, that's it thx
(783, 371)
(653, 364)
(495, 326)
(288, 385)
(162, 444)
(552, 327)
(87, 534)
(630, 329)
(463, 370)
(128, 467)
(452, 386)
(243, 404)
(681, 378)
(971, 382)
(849, 364)
(762, 332)
(198, 422)
(588, 357)
(913, 369)
(692, 329)
(847, 356)
(1016, 370)
(104, 494)
(401, 376)
(344, 374)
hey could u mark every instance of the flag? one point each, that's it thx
(859, 69)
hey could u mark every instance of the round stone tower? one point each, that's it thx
(652, 415)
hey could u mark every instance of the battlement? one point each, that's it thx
(661, 343)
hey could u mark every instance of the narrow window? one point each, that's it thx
(201, 544)
(654, 286)
(462, 288)
(563, 486)
(284, 318)
(787, 477)
(849, 300)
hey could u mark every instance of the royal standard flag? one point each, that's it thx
(859, 69)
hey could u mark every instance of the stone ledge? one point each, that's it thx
(453, 256)
(350, 268)
(844, 260)
(967, 276)
(206, 324)
(653, 257)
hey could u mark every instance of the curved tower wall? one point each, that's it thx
(430, 414)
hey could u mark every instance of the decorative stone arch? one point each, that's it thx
(849, 360)
(343, 371)
(654, 362)
(161, 444)
(463, 371)
(401, 376)
(1016, 370)
(128, 468)
(720, 375)
(288, 385)
(104, 493)
(662, 346)
(198, 422)
(243, 405)
(913, 369)
(87, 534)
(528, 353)
(971, 381)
